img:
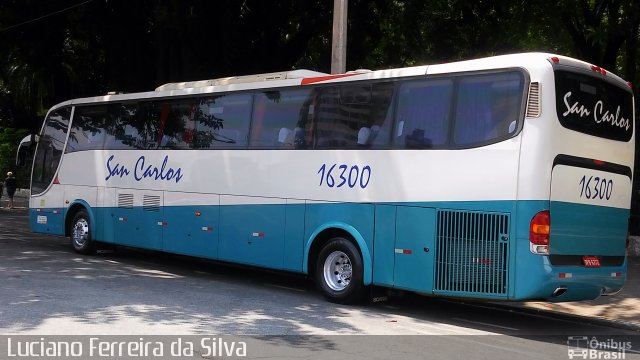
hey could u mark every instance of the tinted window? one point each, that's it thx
(175, 124)
(340, 113)
(49, 150)
(129, 127)
(377, 133)
(593, 106)
(276, 116)
(444, 112)
(488, 108)
(222, 122)
(422, 114)
(88, 128)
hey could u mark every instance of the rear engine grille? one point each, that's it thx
(472, 251)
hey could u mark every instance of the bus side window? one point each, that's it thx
(342, 112)
(275, 118)
(381, 115)
(222, 122)
(87, 128)
(488, 108)
(422, 114)
(175, 124)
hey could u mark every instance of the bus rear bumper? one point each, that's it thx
(571, 283)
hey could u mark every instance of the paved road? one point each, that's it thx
(46, 289)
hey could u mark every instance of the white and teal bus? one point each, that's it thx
(503, 178)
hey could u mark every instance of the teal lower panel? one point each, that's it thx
(578, 229)
(398, 242)
(414, 249)
(47, 221)
(535, 278)
(253, 234)
(191, 232)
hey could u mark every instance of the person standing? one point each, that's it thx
(10, 186)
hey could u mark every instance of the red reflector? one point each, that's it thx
(403, 251)
(599, 162)
(555, 60)
(595, 68)
(482, 261)
(591, 261)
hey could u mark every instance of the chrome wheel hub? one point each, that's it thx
(337, 270)
(80, 233)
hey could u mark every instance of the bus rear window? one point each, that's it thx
(593, 106)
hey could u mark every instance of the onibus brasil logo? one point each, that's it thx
(583, 347)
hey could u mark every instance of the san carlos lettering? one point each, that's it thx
(600, 114)
(144, 170)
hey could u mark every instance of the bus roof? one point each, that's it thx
(293, 74)
(305, 77)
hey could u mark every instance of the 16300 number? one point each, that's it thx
(595, 187)
(340, 175)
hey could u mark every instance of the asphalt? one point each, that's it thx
(621, 309)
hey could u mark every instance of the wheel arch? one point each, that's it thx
(328, 231)
(71, 212)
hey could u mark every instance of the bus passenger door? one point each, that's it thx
(414, 249)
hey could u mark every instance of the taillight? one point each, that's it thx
(539, 230)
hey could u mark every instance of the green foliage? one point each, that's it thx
(49, 56)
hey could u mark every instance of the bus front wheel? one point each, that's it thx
(339, 272)
(80, 233)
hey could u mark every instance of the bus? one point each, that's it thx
(500, 178)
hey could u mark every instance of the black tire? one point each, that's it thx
(80, 234)
(339, 272)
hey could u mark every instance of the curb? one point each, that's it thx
(598, 321)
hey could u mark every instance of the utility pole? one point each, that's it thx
(339, 41)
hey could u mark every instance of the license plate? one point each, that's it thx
(591, 261)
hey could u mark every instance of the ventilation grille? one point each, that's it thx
(151, 203)
(472, 252)
(125, 201)
(533, 102)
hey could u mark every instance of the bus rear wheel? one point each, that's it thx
(80, 234)
(339, 272)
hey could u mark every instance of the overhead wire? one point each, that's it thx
(45, 16)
